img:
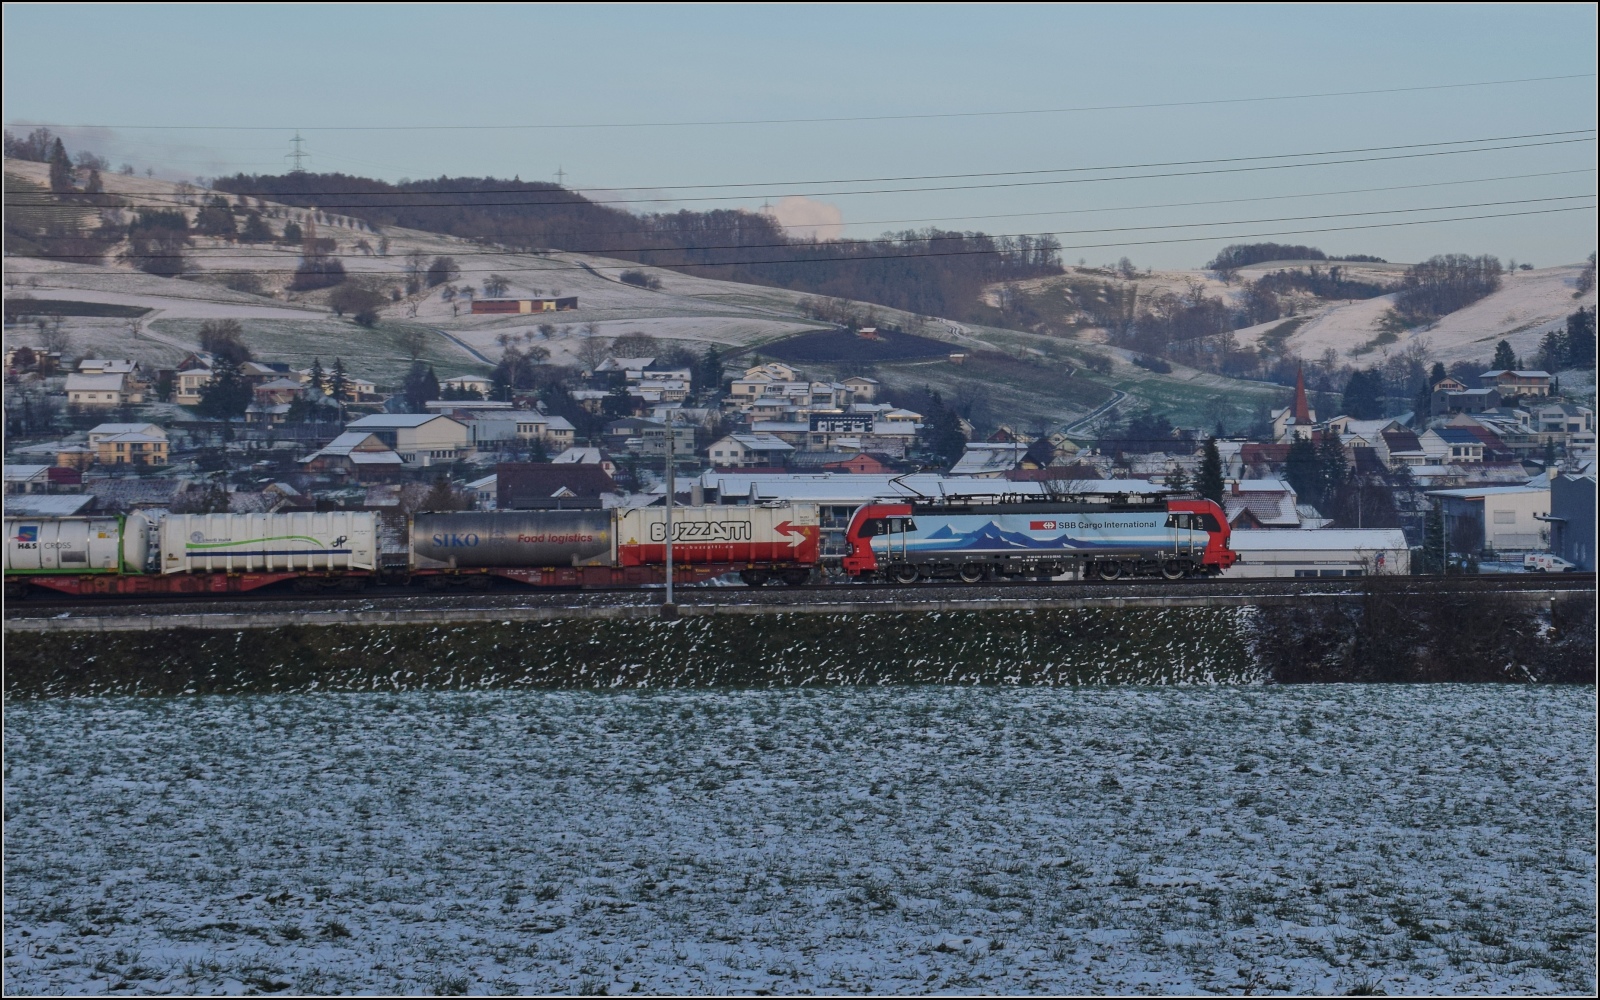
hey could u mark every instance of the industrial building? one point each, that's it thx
(1496, 518)
(1324, 552)
(1572, 516)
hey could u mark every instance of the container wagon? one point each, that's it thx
(189, 553)
(618, 547)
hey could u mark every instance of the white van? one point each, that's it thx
(1544, 562)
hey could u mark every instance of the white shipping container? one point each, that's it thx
(76, 544)
(777, 533)
(269, 543)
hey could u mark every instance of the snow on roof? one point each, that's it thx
(91, 383)
(125, 428)
(23, 473)
(486, 483)
(578, 456)
(624, 364)
(1321, 539)
(388, 421)
(1476, 493)
(762, 442)
(41, 505)
(1496, 373)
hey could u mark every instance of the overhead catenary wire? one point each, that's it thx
(947, 253)
(1080, 109)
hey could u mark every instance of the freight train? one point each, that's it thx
(347, 550)
(969, 539)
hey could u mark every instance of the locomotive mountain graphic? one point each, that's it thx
(992, 536)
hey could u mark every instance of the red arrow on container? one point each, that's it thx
(788, 528)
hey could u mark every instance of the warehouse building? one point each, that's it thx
(1572, 516)
(1324, 552)
(1496, 518)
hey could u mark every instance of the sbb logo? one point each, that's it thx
(1041, 525)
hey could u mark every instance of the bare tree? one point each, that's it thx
(592, 349)
(411, 340)
(53, 335)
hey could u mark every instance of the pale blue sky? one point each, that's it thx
(287, 67)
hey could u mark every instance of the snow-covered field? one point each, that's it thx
(931, 839)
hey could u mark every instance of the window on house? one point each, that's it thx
(1505, 517)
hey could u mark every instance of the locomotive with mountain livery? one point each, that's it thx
(971, 539)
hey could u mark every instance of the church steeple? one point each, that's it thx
(1302, 409)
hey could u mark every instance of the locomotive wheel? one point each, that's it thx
(1108, 571)
(1173, 570)
(796, 577)
(753, 577)
(972, 573)
(905, 573)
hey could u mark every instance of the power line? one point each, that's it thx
(960, 176)
(575, 199)
(942, 253)
(846, 244)
(839, 119)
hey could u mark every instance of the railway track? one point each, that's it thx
(773, 599)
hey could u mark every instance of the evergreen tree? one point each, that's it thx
(421, 385)
(1581, 339)
(1209, 483)
(1303, 470)
(60, 170)
(710, 374)
(228, 394)
(1431, 557)
(941, 432)
(1505, 358)
(215, 219)
(1332, 469)
(319, 379)
(338, 382)
(1363, 395)
(255, 230)
(1178, 479)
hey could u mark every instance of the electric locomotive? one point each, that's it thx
(1099, 536)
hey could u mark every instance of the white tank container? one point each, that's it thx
(65, 545)
(303, 541)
